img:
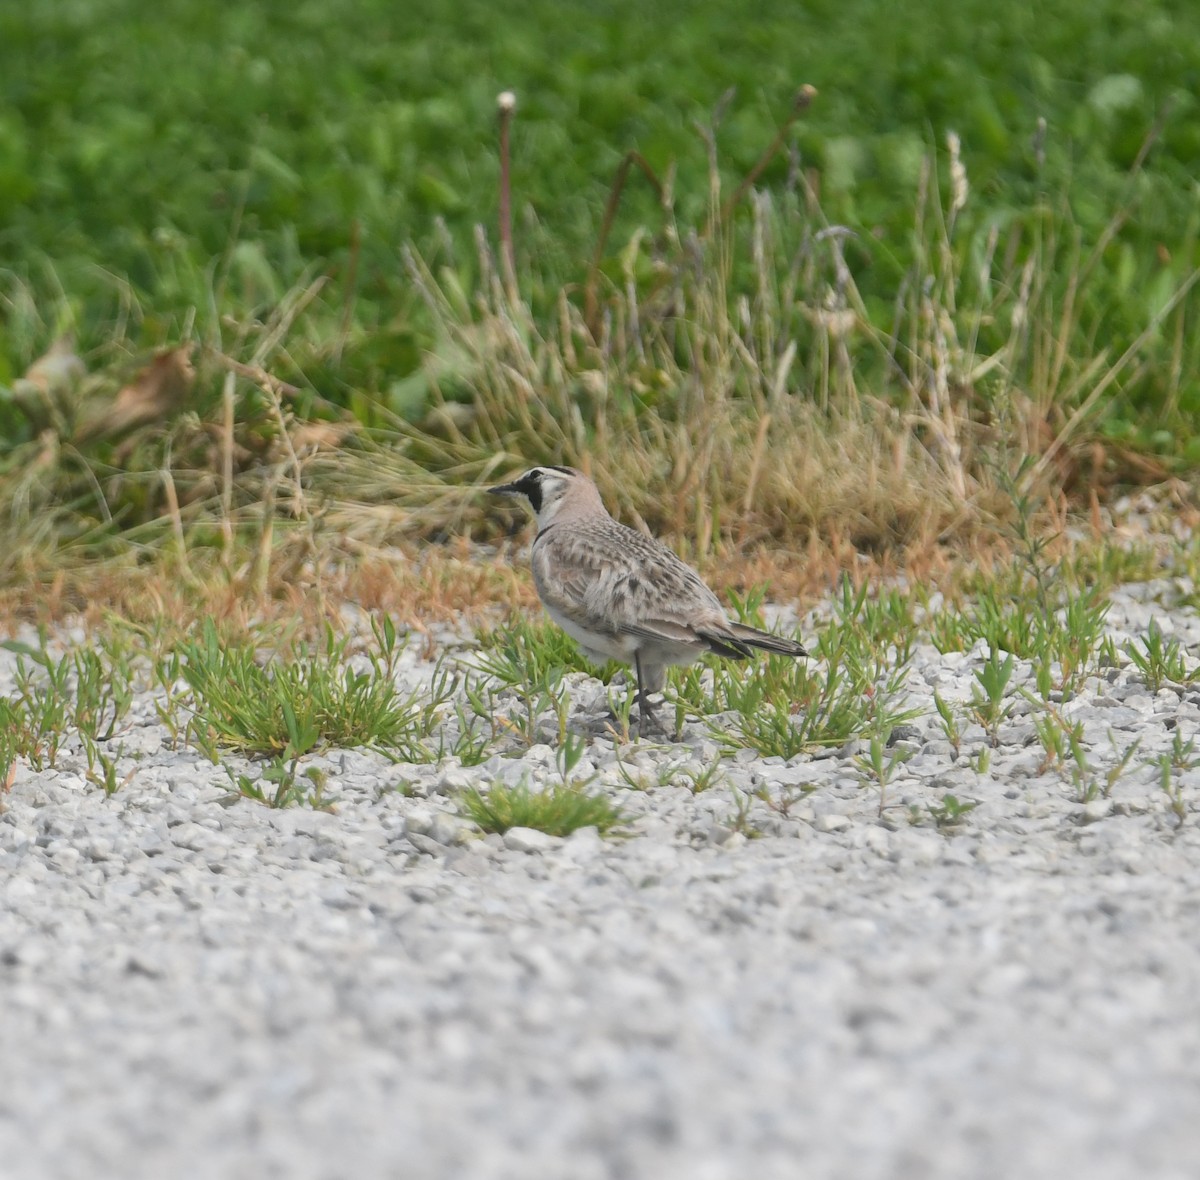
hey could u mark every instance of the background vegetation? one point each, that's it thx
(207, 207)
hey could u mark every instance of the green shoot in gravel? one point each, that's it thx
(568, 755)
(1172, 788)
(951, 726)
(1182, 755)
(472, 745)
(1160, 660)
(783, 802)
(289, 790)
(559, 810)
(1061, 740)
(8, 761)
(740, 821)
(1066, 753)
(102, 768)
(620, 705)
(989, 704)
(947, 815)
(880, 762)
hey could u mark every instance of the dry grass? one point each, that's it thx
(421, 585)
(694, 428)
(733, 394)
(740, 392)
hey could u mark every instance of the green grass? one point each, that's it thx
(1051, 616)
(292, 703)
(524, 651)
(277, 700)
(87, 691)
(528, 657)
(784, 707)
(558, 810)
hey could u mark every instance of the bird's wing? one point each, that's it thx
(712, 638)
(612, 579)
(568, 576)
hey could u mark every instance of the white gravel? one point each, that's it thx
(193, 989)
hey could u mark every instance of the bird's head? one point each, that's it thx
(548, 490)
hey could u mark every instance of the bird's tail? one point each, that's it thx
(764, 640)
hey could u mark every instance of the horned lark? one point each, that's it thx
(620, 594)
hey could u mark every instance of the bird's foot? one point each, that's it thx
(649, 720)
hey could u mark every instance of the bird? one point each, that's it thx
(623, 595)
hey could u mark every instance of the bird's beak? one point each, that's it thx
(505, 489)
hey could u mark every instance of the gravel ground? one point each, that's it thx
(190, 988)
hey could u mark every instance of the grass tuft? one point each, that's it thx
(301, 700)
(523, 651)
(559, 810)
(853, 685)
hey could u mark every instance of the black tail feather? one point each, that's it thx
(747, 637)
(722, 644)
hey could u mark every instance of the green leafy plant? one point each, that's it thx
(990, 704)
(880, 762)
(948, 814)
(1159, 659)
(1061, 740)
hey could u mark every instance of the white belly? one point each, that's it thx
(597, 646)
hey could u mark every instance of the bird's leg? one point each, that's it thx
(646, 714)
